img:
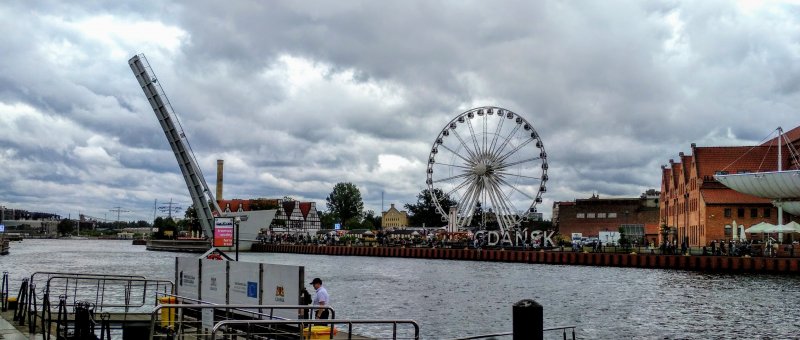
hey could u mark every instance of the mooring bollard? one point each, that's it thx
(527, 320)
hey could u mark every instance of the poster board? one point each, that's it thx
(245, 283)
(214, 283)
(232, 282)
(281, 286)
(187, 277)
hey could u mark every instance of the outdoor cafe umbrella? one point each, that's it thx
(791, 227)
(759, 228)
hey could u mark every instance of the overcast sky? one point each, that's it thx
(296, 96)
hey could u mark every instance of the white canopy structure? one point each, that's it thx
(782, 186)
(792, 207)
(775, 185)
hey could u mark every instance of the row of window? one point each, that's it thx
(596, 215)
(740, 212)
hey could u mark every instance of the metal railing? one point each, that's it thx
(248, 329)
(106, 291)
(563, 329)
(121, 294)
(197, 320)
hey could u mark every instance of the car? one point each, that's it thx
(591, 242)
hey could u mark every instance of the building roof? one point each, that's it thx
(792, 135)
(734, 159)
(728, 196)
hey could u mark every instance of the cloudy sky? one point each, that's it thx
(296, 96)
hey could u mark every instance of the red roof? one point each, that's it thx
(305, 207)
(728, 196)
(792, 135)
(734, 159)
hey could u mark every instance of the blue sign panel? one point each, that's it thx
(252, 289)
(337, 226)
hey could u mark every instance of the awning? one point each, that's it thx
(774, 185)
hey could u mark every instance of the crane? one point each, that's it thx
(202, 197)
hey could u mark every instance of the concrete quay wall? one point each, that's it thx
(694, 262)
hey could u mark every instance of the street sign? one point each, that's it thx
(2, 228)
(337, 226)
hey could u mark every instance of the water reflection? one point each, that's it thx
(460, 298)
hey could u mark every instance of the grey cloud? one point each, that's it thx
(597, 81)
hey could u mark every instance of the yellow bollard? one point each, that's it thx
(167, 314)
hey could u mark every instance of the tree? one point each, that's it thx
(424, 211)
(477, 216)
(326, 220)
(345, 202)
(65, 227)
(353, 223)
(263, 204)
(371, 220)
(165, 227)
(190, 221)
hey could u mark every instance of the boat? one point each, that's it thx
(190, 245)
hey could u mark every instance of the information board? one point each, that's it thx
(282, 287)
(223, 232)
(245, 287)
(214, 286)
(187, 277)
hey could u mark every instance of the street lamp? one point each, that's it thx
(236, 221)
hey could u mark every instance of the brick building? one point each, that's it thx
(696, 208)
(638, 217)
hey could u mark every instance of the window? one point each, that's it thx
(740, 212)
(721, 173)
(753, 212)
(581, 215)
(590, 215)
(728, 230)
(612, 215)
(767, 212)
(727, 212)
(601, 215)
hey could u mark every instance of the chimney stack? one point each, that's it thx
(219, 179)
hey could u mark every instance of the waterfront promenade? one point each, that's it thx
(775, 265)
(9, 332)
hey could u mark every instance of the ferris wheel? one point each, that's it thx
(491, 162)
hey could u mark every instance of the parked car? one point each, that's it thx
(591, 242)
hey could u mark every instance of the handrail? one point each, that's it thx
(237, 307)
(87, 275)
(559, 328)
(201, 302)
(302, 323)
(128, 280)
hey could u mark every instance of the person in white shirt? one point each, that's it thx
(321, 299)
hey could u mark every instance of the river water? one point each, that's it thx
(461, 298)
